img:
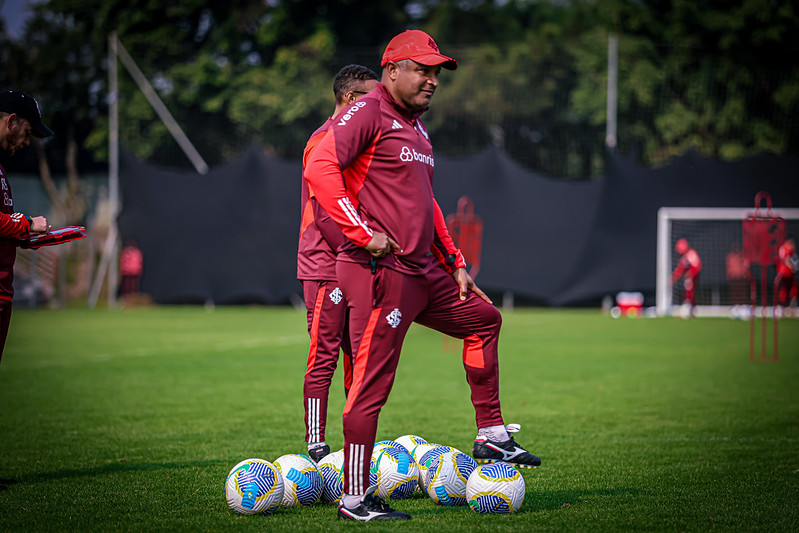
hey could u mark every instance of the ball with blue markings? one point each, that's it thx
(254, 486)
(394, 472)
(446, 478)
(410, 441)
(391, 444)
(495, 488)
(331, 468)
(302, 482)
(428, 453)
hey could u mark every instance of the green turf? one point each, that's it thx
(130, 420)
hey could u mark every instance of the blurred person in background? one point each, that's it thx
(785, 282)
(320, 239)
(689, 265)
(131, 267)
(20, 117)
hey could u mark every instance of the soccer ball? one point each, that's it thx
(331, 468)
(447, 475)
(254, 486)
(410, 441)
(394, 472)
(427, 456)
(302, 482)
(495, 488)
(420, 449)
(417, 452)
(391, 444)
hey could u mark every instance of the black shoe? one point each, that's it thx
(5, 482)
(318, 453)
(372, 507)
(489, 451)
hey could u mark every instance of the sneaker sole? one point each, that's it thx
(514, 465)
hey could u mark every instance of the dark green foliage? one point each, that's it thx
(719, 78)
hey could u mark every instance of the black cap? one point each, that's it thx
(26, 107)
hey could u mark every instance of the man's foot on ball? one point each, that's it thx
(318, 453)
(488, 451)
(372, 507)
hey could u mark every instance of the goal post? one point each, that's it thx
(716, 234)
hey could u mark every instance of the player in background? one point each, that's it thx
(373, 173)
(20, 118)
(690, 265)
(785, 282)
(326, 305)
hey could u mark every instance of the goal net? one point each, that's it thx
(716, 234)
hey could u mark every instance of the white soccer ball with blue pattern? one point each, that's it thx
(410, 441)
(427, 456)
(495, 488)
(254, 486)
(446, 478)
(383, 444)
(302, 482)
(331, 468)
(393, 472)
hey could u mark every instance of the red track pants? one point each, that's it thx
(327, 312)
(382, 306)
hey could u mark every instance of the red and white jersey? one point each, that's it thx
(12, 227)
(319, 235)
(689, 264)
(373, 171)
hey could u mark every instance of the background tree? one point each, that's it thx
(721, 79)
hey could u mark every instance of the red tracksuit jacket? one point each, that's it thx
(13, 226)
(373, 171)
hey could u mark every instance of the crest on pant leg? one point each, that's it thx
(336, 295)
(394, 318)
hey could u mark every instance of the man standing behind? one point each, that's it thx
(785, 282)
(690, 265)
(390, 268)
(20, 118)
(326, 305)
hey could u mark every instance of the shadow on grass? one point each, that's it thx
(541, 501)
(560, 499)
(117, 467)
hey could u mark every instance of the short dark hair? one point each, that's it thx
(349, 78)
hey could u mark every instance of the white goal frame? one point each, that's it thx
(663, 286)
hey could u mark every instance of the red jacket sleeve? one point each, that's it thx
(444, 248)
(327, 181)
(15, 226)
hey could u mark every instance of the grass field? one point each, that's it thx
(130, 421)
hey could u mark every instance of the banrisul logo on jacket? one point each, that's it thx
(409, 154)
(350, 112)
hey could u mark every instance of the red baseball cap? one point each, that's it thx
(417, 46)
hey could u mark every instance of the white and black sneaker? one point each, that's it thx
(489, 451)
(372, 507)
(319, 453)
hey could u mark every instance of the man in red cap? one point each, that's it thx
(372, 173)
(20, 118)
(690, 265)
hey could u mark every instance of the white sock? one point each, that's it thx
(495, 433)
(312, 445)
(351, 501)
